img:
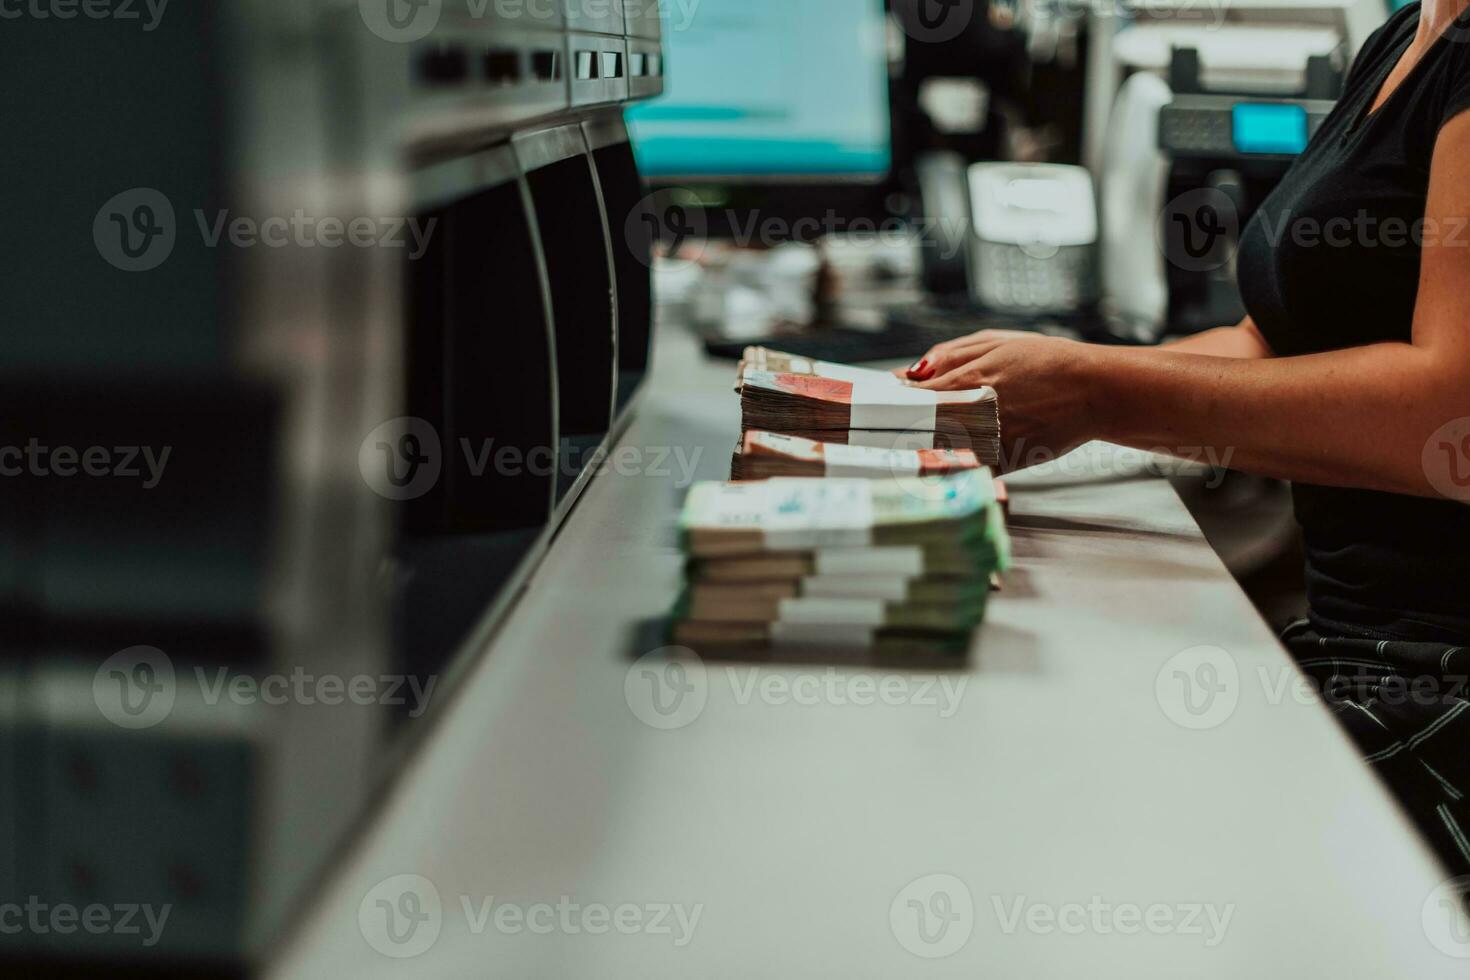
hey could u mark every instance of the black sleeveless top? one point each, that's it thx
(1331, 260)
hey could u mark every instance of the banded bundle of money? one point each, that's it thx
(724, 637)
(840, 562)
(987, 451)
(763, 359)
(883, 561)
(725, 519)
(832, 409)
(942, 604)
(764, 455)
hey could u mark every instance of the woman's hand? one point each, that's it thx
(1046, 387)
(945, 357)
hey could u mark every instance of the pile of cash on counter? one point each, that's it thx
(837, 403)
(846, 526)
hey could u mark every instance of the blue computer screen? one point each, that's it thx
(1264, 127)
(769, 89)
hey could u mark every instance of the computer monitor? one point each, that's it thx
(771, 92)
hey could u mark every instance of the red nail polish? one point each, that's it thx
(918, 369)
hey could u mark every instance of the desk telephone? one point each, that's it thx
(1030, 244)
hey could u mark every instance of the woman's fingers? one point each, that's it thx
(917, 371)
(957, 358)
(936, 362)
(951, 354)
(942, 357)
(962, 378)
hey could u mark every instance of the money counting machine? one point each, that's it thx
(320, 314)
(1198, 136)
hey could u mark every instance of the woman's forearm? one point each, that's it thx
(1359, 417)
(1243, 341)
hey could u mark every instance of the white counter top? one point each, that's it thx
(1081, 820)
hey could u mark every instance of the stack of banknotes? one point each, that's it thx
(763, 455)
(896, 567)
(836, 403)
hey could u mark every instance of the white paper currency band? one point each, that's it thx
(846, 372)
(810, 514)
(819, 612)
(733, 505)
(889, 588)
(866, 461)
(891, 560)
(880, 406)
(848, 636)
(890, 440)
